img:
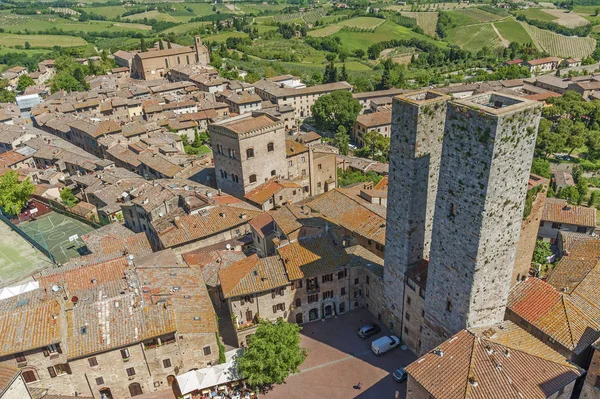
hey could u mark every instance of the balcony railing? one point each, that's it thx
(313, 290)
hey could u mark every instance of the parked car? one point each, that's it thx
(367, 330)
(399, 375)
(384, 344)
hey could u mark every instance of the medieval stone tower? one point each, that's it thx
(202, 53)
(487, 152)
(416, 148)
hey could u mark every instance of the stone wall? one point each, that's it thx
(413, 317)
(591, 387)
(416, 146)
(17, 390)
(528, 239)
(487, 152)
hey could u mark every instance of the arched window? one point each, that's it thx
(273, 173)
(270, 147)
(250, 153)
(29, 376)
(252, 179)
(166, 63)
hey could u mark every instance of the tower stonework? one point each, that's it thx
(487, 153)
(416, 147)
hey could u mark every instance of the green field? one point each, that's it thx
(538, 14)
(106, 11)
(34, 23)
(159, 16)
(223, 36)
(426, 20)
(513, 31)
(386, 31)
(326, 31)
(48, 41)
(190, 26)
(479, 15)
(18, 258)
(363, 22)
(475, 37)
(460, 19)
(559, 45)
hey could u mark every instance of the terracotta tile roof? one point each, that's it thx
(164, 53)
(542, 96)
(477, 367)
(293, 147)
(42, 320)
(418, 273)
(115, 322)
(159, 164)
(362, 257)
(289, 217)
(210, 261)
(263, 224)
(565, 318)
(10, 158)
(312, 256)
(308, 137)
(7, 376)
(546, 60)
(375, 119)
(252, 275)
(250, 124)
(570, 240)
(559, 211)
(184, 289)
(210, 221)
(347, 212)
(81, 278)
(267, 190)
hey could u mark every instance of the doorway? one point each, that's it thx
(328, 311)
(105, 393)
(135, 389)
(313, 314)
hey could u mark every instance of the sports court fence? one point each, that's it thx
(27, 237)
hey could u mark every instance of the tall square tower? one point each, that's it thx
(487, 152)
(416, 147)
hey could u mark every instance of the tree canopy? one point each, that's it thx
(14, 195)
(335, 109)
(68, 198)
(273, 353)
(24, 82)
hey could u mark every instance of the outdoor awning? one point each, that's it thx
(209, 377)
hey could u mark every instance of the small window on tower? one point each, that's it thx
(449, 305)
(452, 209)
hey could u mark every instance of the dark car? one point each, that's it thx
(399, 375)
(367, 330)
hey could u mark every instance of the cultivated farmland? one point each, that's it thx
(49, 41)
(475, 37)
(513, 31)
(326, 31)
(363, 22)
(559, 45)
(568, 19)
(480, 15)
(426, 20)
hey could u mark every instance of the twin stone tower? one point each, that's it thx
(458, 179)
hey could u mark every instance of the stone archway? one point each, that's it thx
(105, 393)
(172, 381)
(135, 389)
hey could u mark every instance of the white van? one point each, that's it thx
(384, 344)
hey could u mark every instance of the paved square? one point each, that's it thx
(338, 359)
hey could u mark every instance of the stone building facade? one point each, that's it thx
(416, 147)
(12, 385)
(487, 152)
(248, 151)
(156, 64)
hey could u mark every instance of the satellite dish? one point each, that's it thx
(55, 288)
(228, 246)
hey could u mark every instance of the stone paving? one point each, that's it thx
(338, 359)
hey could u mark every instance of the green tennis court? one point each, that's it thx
(53, 231)
(18, 258)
